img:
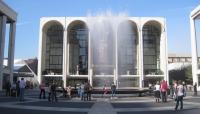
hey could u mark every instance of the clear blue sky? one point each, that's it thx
(29, 12)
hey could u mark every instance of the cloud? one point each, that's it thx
(23, 23)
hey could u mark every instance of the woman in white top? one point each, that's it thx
(179, 91)
(157, 92)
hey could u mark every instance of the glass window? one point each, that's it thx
(127, 48)
(151, 49)
(78, 40)
(54, 50)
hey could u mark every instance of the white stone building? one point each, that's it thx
(129, 51)
(8, 17)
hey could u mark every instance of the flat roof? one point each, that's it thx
(6, 10)
(196, 12)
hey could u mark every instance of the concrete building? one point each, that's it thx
(129, 51)
(195, 16)
(7, 17)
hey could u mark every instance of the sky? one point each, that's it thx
(176, 12)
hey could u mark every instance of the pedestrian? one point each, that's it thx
(89, 91)
(179, 95)
(82, 91)
(53, 93)
(42, 90)
(22, 86)
(49, 93)
(86, 90)
(175, 84)
(79, 90)
(13, 91)
(157, 92)
(8, 86)
(195, 89)
(69, 90)
(105, 90)
(163, 88)
(113, 90)
(17, 87)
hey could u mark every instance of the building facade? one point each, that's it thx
(8, 17)
(129, 51)
(194, 17)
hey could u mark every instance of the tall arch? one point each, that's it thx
(151, 33)
(128, 39)
(127, 48)
(53, 48)
(78, 47)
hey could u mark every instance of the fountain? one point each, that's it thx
(104, 36)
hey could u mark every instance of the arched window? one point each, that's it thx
(151, 48)
(127, 48)
(54, 48)
(78, 48)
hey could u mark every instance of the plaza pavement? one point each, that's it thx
(122, 104)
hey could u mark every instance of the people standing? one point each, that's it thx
(175, 84)
(22, 86)
(79, 90)
(157, 92)
(195, 89)
(82, 91)
(53, 92)
(49, 93)
(13, 92)
(42, 90)
(105, 90)
(89, 91)
(113, 90)
(69, 89)
(8, 86)
(179, 95)
(163, 87)
(18, 88)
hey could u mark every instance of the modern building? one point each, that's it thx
(129, 51)
(26, 69)
(8, 17)
(194, 17)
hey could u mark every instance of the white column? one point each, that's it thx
(116, 75)
(141, 74)
(166, 73)
(90, 71)
(67, 57)
(64, 58)
(163, 53)
(40, 53)
(3, 20)
(11, 49)
(194, 51)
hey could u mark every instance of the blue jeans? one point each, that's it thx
(21, 94)
(82, 95)
(179, 99)
(113, 93)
